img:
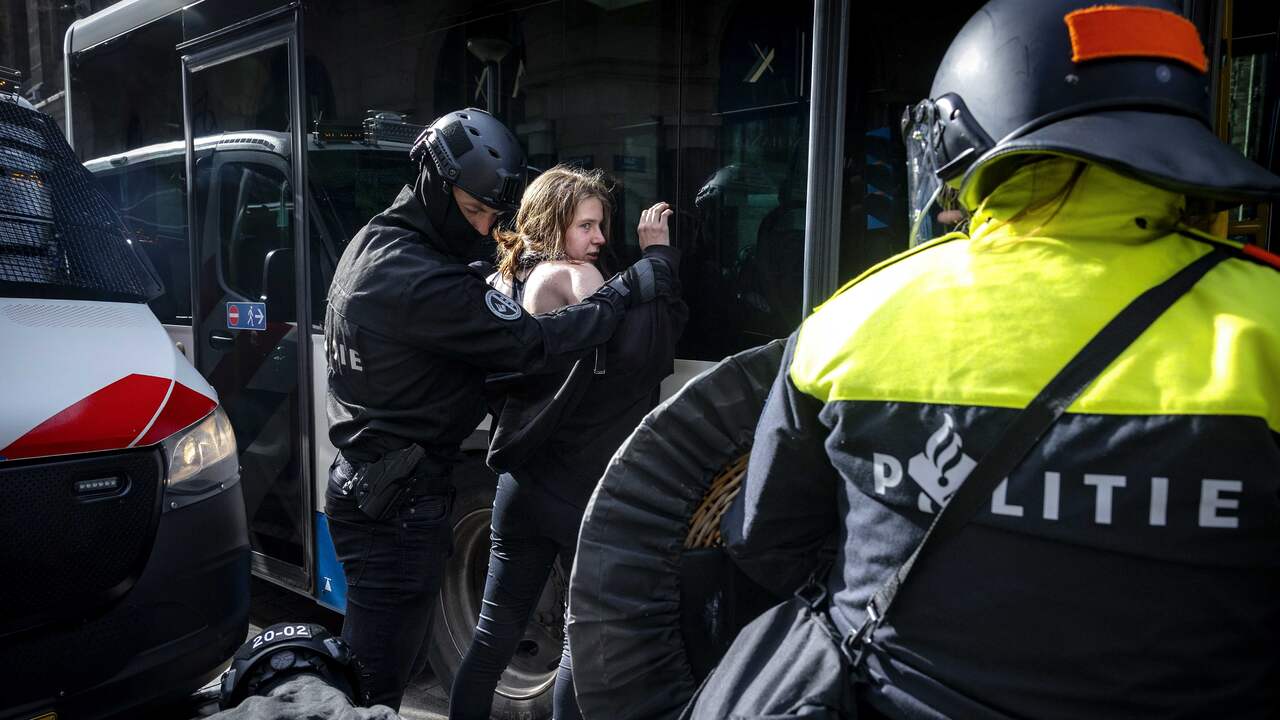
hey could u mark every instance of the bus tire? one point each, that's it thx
(525, 688)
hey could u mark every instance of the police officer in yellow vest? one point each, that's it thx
(1129, 565)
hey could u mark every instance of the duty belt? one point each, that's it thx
(431, 477)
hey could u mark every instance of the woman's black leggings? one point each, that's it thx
(530, 530)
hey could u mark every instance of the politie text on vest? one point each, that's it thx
(943, 465)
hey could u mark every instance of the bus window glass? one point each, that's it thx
(248, 93)
(351, 182)
(1248, 79)
(702, 105)
(894, 51)
(117, 110)
(152, 200)
(255, 209)
(127, 93)
(1246, 110)
(744, 160)
(612, 103)
(1250, 101)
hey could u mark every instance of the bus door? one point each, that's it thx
(247, 248)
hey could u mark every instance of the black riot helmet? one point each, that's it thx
(283, 651)
(1124, 84)
(474, 151)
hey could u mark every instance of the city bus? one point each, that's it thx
(246, 141)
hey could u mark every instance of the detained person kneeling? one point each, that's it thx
(555, 433)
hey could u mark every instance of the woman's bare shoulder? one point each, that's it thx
(573, 269)
(556, 283)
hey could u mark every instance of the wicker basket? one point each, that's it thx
(704, 526)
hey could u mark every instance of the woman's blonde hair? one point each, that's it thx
(546, 211)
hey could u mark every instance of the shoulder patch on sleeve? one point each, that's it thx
(503, 307)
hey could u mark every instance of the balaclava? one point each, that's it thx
(436, 195)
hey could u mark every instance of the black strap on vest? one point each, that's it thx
(1030, 425)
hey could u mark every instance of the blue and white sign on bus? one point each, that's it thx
(246, 316)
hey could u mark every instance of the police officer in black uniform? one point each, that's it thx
(410, 333)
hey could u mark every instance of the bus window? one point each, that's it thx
(1251, 104)
(117, 106)
(744, 161)
(894, 51)
(350, 182)
(614, 104)
(255, 212)
(152, 200)
(577, 82)
(117, 109)
(703, 105)
(353, 182)
(251, 94)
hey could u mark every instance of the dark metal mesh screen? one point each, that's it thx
(58, 234)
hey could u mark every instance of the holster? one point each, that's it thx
(380, 487)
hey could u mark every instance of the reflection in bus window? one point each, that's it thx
(248, 93)
(352, 183)
(118, 110)
(672, 99)
(152, 200)
(118, 107)
(1248, 79)
(255, 210)
(894, 51)
(1251, 103)
(744, 166)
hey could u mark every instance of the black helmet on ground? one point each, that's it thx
(1124, 84)
(472, 150)
(286, 650)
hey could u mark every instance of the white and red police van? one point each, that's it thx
(123, 544)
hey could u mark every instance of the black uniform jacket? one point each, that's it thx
(558, 431)
(411, 331)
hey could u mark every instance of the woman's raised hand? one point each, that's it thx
(653, 226)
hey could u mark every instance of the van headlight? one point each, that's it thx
(202, 460)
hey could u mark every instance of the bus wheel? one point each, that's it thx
(524, 691)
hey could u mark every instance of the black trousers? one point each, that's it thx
(393, 569)
(530, 530)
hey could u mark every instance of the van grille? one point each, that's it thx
(66, 554)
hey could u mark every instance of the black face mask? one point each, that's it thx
(436, 195)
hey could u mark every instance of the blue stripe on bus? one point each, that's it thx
(331, 584)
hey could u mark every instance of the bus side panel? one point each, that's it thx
(331, 583)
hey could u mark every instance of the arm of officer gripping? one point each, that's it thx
(452, 312)
(786, 510)
(652, 276)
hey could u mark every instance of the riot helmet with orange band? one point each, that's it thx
(1124, 84)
